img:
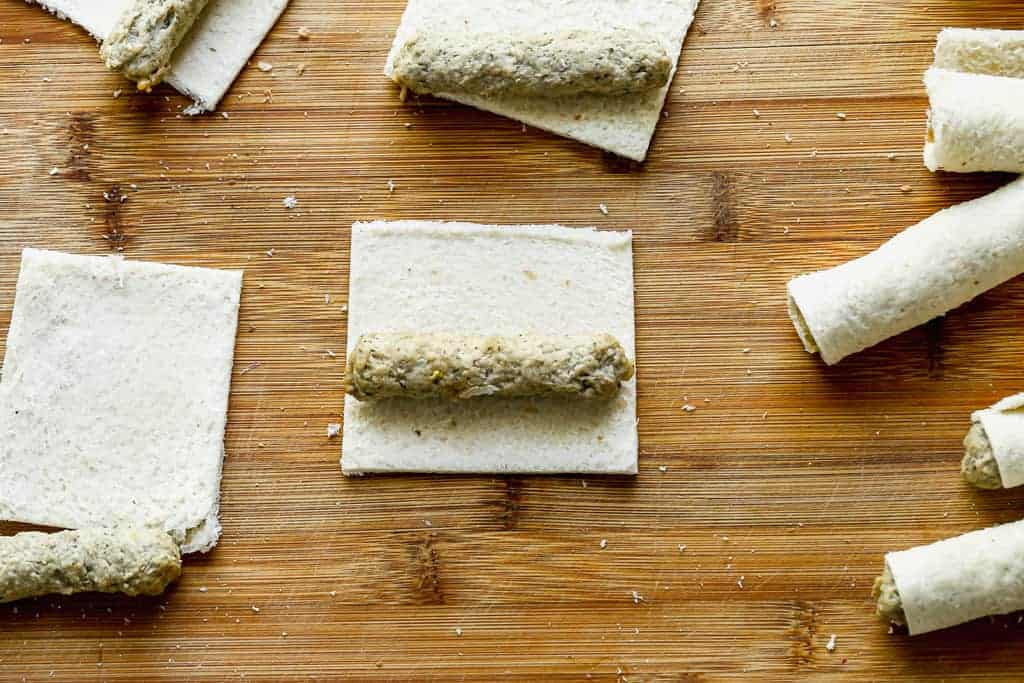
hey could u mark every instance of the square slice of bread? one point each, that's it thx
(623, 125)
(210, 57)
(114, 394)
(474, 279)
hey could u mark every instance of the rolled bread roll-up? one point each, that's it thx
(954, 581)
(975, 122)
(145, 37)
(129, 561)
(419, 366)
(994, 446)
(547, 64)
(981, 51)
(921, 273)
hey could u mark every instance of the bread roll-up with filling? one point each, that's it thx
(975, 122)
(981, 51)
(546, 65)
(921, 273)
(994, 446)
(145, 37)
(129, 561)
(954, 581)
(453, 367)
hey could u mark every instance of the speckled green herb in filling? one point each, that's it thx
(548, 65)
(453, 367)
(130, 561)
(979, 465)
(145, 37)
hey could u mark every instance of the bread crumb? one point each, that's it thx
(603, 208)
(890, 156)
(303, 33)
(391, 186)
(458, 631)
(637, 598)
(250, 367)
(682, 547)
(264, 66)
(290, 202)
(333, 429)
(689, 408)
(831, 644)
(202, 589)
(54, 171)
(255, 609)
(757, 114)
(841, 116)
(905, 188)
(663, 468)
(604, 543)
(788, 138)
(300, 68)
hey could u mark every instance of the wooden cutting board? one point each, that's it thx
(786, 485)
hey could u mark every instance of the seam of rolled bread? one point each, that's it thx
(921, 273)
(957, 580)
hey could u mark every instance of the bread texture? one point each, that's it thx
(981, 51)
(975, 122)
(114, 395)
(435, 278)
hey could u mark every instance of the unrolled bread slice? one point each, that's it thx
(485, 280)
(921, 273)
(960, 579)
(975, 122)
(622, 124)
(114, 395)
(213, 53)
(981, 51)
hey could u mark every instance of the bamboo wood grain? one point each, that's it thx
(785, 486)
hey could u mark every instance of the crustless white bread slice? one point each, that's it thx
(114, 395)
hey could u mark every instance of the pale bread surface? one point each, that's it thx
(114, 395)
(981, 51)
(472, 279)
(960, 579)
(1004, 426)
(921, 273)
(210, 57)
(623, 125)
(976, 122)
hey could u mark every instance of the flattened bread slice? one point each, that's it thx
(114, 395)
